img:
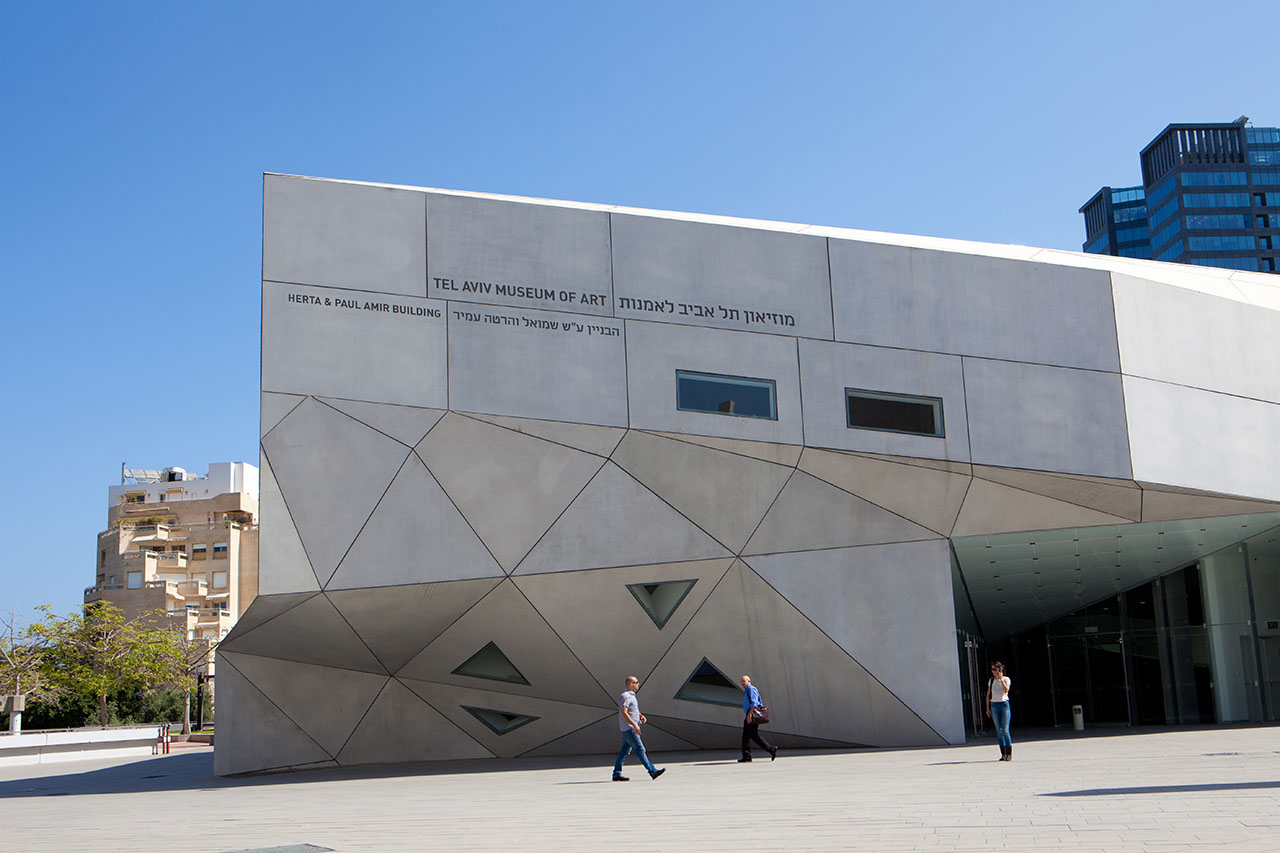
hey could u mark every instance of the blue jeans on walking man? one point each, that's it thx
(631, 743)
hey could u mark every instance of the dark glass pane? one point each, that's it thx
(897, 413)
(726, 395)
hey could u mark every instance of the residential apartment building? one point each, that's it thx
(183, 544)
(1210, 196)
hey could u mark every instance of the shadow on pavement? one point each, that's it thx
(193, 771)
(1164, 789)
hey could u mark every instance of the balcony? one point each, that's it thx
(152, 560)
(192, 588)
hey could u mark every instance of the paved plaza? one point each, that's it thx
(1202, 789)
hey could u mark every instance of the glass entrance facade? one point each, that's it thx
(1198, 644)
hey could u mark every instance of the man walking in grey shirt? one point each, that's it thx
(629, 721)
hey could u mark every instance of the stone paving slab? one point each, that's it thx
(1203, 789)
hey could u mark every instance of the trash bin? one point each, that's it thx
(1077, 717)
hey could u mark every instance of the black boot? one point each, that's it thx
(1008, 753)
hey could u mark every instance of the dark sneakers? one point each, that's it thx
(743, 760)
(620, 778)
(773, 754)
(655, 774)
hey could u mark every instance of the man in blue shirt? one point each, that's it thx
(629, 720)
(750, 730)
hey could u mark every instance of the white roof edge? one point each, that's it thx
(1217, 282)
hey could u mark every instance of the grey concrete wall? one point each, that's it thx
(344, 235)
(470, 436)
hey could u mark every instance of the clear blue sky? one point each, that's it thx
(133, 138)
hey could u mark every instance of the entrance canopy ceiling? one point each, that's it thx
(1017, 581)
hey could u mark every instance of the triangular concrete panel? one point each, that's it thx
(397, 622)
(918, 461)
(781, 454)
(400, 726)
(505, 618)
(600, 440)
(716, 736)
(926, 496)
(604, 738)
(811, 685)
(415, 535)
(618, 522)
(812, 514)
(596, 615)
(253, 734)
(994, 508)
(509, 486)
(1121, 498)
(332, 471)
(406, 424)
(312, 632)
(263, 609)
(723, 493)
(274, 407)
(283, 565)
(1159, 504)
(554, 719)
(858, 597)
(324, 702)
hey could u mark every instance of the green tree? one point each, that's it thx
(98, 652)
(196, 654)
(22, 662)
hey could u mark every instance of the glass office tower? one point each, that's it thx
(1116, 223)
(1210, 196)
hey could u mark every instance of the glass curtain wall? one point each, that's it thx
(1197, 645)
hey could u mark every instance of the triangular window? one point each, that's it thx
(499, 722)
(660, 599)
(708, 684)
(492, 664)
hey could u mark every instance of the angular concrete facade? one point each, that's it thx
(482, 506)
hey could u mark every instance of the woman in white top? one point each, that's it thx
(998, 708)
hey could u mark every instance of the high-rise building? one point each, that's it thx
(182, 544)
(1210, 196)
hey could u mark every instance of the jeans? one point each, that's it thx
(631, 743)
(1000, 716)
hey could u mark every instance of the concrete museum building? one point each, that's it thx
(514, 450)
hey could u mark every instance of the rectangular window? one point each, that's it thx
(1214, 179)
(1217, 220)
(726, 395)
(1170, 253)
(220, 552)
(1163, 213)
(219, 580)
(894, 412)
(1167, 234)
(1225, 243)
(199, 552)
(133, 580)
(1158, 194)
(1216, 200)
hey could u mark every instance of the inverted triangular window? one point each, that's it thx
(660, 599)
(492, 664)
(709, 685)
(499, 722)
